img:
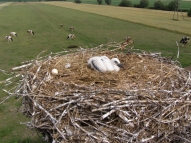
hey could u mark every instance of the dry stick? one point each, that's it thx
(21, 67)
(189, 141)
(147, 139)
(5, 72)
(142, 103)
(189, 76)
(54, 121)
(107, 114)
(62, 105)
(115, 128)
(6, 97)
(178, 49)
(120, 114)
(94, 127)
(89, 134)
(63, 114)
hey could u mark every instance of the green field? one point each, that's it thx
(90, 30)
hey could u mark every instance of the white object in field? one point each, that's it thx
(30, 32)
(71, 36)
(54, 71)
(67, 65)
(14, 34)
(9, 38)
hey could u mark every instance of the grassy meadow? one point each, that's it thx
(91, 29)
(152, 18)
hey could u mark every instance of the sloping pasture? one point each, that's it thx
(90, 30)
(153, 18)
(2, 5)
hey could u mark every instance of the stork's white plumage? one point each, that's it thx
(116, 64)
(103, 64)
(96, 63)
(107, 63)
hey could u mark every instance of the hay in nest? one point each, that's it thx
(148, 101)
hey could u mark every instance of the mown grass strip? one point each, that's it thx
(2, 5)
(154, 18)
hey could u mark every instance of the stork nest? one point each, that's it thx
(147, 101)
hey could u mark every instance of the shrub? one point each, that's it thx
(108, 2)
(159, 5)
(126, 3)
(189, 12)
(144, 3)
(136, 5)
(172, 5)
(77, 1)
(99, 1)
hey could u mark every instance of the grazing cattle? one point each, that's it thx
(185, 40)
(71, 36)
(71, 28)
(9, 38)
(14, 34)
(61, 25)
(30, 32)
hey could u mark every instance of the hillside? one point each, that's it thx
(153, 18)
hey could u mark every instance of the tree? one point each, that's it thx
(144, 3)
(126, 3)
(77, 1)
(159, 5)
(189, 12)
(99, 1)
(172, 5)
(108, 2)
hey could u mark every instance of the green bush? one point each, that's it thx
(159, 5)
(77, 1)
(136, 5)
(172, 5)
(126, 3)
(189, 12)
(108, 2)
(99, 2)
(144, 3)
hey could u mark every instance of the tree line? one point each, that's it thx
(158, 5)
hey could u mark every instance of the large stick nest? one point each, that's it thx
(147, 101)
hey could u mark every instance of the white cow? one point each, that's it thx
(9, 38)
(14, 34)
(30, 32)
(71, 36)
(71, 28)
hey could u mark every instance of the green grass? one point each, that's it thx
(90, 29)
